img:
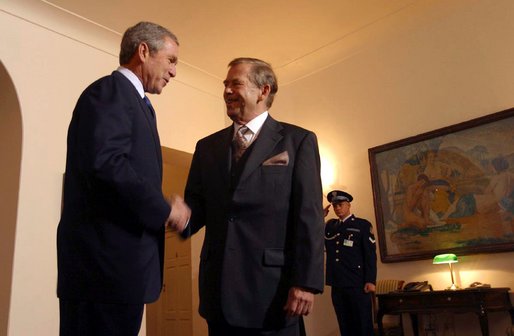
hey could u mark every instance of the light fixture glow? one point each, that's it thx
(328, 173)
(447, 258)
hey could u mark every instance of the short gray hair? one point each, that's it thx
(261, 74)
(148, 32)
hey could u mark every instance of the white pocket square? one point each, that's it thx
(281, 159)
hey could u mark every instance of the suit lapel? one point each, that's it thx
(150, 119)
(223, 153)
(263, 146)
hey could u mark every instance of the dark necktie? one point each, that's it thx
(149, 104)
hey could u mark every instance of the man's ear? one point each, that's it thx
(143, 51)
(265, 90)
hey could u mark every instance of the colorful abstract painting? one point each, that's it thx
(449, 190)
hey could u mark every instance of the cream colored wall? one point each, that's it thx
(453, 63)
(51, 57)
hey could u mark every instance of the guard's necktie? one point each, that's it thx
(149, 104)
(242, 141)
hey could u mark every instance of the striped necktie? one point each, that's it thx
(242, 142)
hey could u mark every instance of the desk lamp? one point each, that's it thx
(449, 259)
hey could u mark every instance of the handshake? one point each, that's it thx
(179, 215)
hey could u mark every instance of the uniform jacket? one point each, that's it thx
(110, 237)
(263, 223)
(351, 252)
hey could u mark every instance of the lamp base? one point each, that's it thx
(453, 287)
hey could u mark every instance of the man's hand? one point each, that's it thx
(326, 210)
(369, 287)
(179, 215)
(299, 302)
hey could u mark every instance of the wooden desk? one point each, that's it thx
(476, 300)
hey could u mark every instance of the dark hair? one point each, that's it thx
(261, 74)
(148, 32)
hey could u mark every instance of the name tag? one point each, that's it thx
(348, 242)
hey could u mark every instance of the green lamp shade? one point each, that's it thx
(448, 258)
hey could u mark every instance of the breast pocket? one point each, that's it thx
(274, 169)
(275, 179)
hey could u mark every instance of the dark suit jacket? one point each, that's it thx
(110, 238)
(263, 226)
(351, 253)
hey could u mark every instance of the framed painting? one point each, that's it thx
(450, 190)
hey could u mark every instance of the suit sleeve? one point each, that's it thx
(106, 136)
(370, 255)
(308, 217)
(193, 195)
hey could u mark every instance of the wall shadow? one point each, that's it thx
(10, 164)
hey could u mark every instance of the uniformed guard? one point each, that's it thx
(351, 266)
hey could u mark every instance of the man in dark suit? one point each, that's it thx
(351, 266)
(261, 205)
(110, 240)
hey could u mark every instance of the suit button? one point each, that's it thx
(337, 243)
(337, 259)
(337, 251)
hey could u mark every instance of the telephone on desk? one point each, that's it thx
(421, 286)
(477, 284)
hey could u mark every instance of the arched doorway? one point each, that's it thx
(10, 163)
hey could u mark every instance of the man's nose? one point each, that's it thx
(173, 70)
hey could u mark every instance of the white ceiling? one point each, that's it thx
(297, 37)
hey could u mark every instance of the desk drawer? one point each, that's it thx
(443, 301)
(467, 300)
(400, 303)
(450, 300)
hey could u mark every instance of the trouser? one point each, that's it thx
(81, 318)
(224, 329)
(353, 310)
